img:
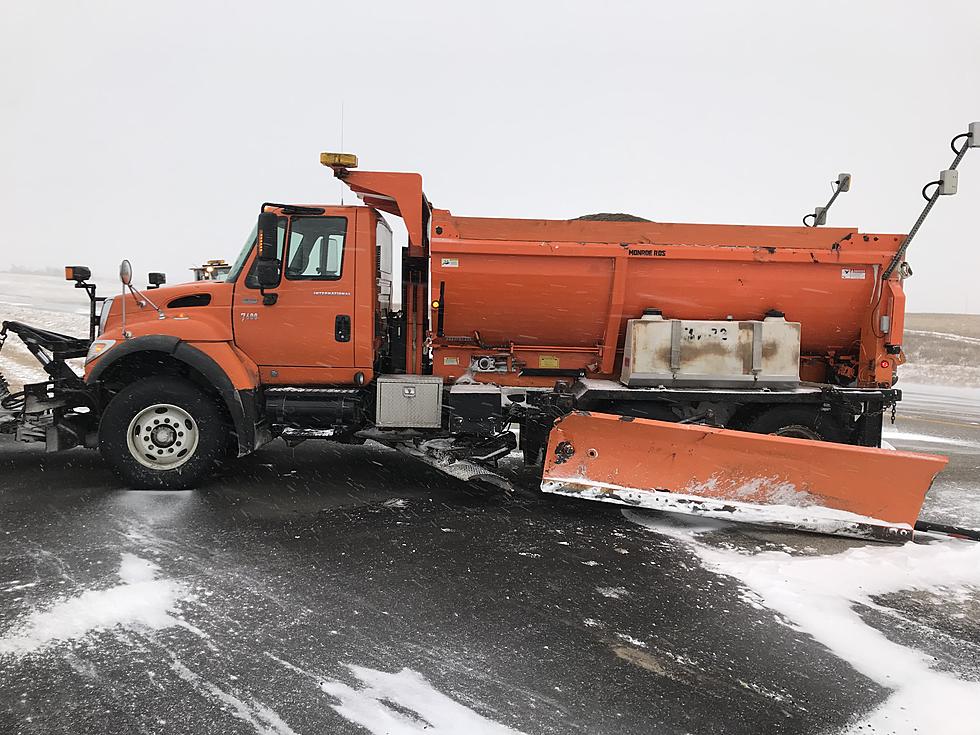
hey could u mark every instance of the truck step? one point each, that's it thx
(461, 469)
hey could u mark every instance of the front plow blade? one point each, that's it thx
(734, 475)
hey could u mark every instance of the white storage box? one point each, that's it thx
(714, 354)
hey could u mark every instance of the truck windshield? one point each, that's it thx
(236, 267)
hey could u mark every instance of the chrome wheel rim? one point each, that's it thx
(162, 436)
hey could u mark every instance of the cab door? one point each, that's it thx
(306, 336)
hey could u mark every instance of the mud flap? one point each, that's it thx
(733, 475)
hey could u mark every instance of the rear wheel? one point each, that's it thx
(798, 422)
(162, 433)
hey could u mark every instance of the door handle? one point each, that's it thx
(341, 328)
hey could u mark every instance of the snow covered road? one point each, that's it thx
(350, 590)
(329, 589)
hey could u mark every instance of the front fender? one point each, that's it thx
(223, 367)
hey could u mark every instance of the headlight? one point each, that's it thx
(97, 348)
(104, 315)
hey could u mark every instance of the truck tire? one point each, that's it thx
(162, 433)
(799, 422)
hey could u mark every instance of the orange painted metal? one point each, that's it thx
(198, 324)
(528, 289)
(820, 486)
(396, 193)
(293, 341)
(579, 291)
(289, 342)
(555, 294)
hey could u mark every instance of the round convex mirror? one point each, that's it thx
(125, 273)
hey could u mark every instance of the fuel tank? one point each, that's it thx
(553, 296)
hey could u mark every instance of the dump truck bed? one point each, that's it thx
(556, 295)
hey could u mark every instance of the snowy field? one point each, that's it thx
(351, 590)
(43, 301)
(942, 349)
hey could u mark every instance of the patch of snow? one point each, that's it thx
(944, 374)
(615, 593)
(946, 335)
(817, 595)
(133, 569)
(928, 439)
(956, 503)
(405, 703)
(141, 601)
(263, 719)
(631, 640)
(308, 433)
(767, 489)
(817, 518)
(15, 585)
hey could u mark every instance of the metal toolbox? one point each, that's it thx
(409, 402)
(713, 354)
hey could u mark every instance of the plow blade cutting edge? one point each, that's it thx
(738, 476)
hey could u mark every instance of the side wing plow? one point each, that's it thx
(738, 476)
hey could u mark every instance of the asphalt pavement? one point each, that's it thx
(335, 589)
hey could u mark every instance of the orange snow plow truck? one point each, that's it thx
(738, 372)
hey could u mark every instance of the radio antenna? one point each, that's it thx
(341, 149)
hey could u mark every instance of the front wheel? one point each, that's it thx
(162, 433)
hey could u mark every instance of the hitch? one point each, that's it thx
(48, 411)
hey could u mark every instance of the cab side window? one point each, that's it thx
(316, 248)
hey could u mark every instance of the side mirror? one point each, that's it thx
(266, 262)
(125, 273)
(156, 280)
(266, 273)
(268, 231)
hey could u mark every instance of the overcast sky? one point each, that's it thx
(154, 131)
